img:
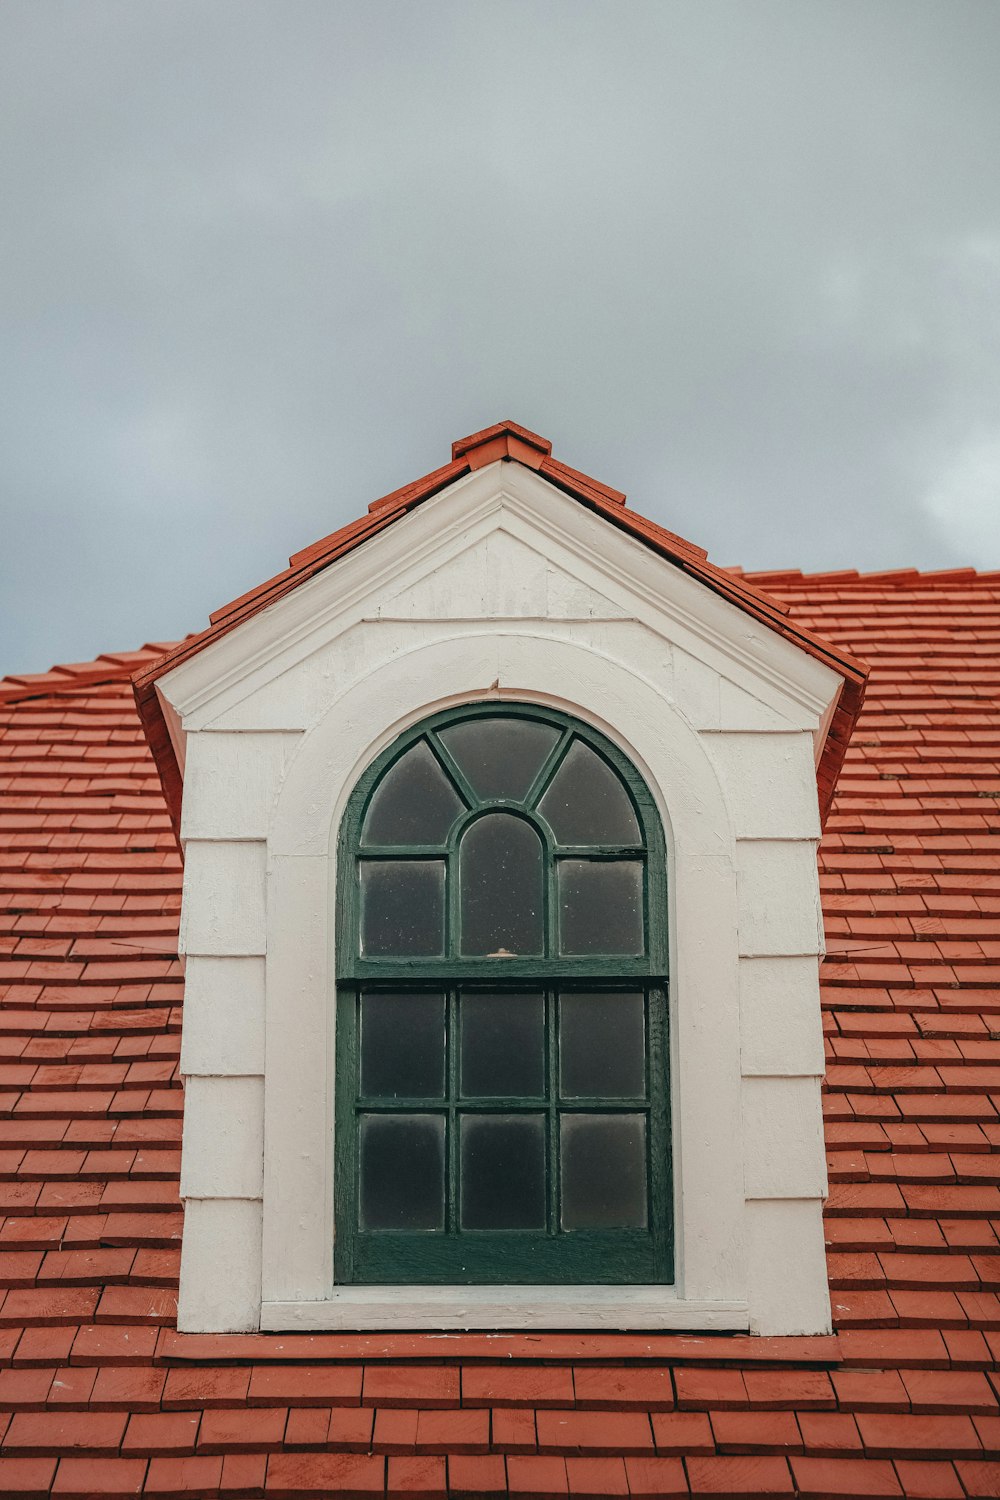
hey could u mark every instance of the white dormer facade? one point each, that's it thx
(502, 589)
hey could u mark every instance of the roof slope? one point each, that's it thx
(507, 442)
(103, 1397)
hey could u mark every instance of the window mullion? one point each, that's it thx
(451, 1142)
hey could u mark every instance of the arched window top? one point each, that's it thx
(501, 835)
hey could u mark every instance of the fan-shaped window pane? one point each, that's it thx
(500, 756)
(414, 803)
(600, 906)
(402, 906)
(587, 804)
(502, 905)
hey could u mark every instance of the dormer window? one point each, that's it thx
(502, 1064)
(453, 786)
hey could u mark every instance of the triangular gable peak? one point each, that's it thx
(508, 443)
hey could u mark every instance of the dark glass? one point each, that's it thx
(602, 1046)
(503, 1046)
(402, 1046)
(586, 803)
(402, 1172)
(501, 865)
(503, 1172)
(414, 803)
(600, 906)
(603, 1171)
(500, 756)
(402, 906)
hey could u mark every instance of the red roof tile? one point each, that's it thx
(104, 1397)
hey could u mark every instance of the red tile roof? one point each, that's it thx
(100, 1395)
(507, 441)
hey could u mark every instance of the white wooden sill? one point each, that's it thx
(378, 1308)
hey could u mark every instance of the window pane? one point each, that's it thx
(500, 756)
(501, 865)
(587, 803)
(402, 1172)
(503, 1046)
(402, 1046)
(600, 906)
(402, 906)
(503, 1172)
(603, 1171)
(414, 803)
(602, 1046)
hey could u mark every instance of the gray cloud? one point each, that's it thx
(261, 260)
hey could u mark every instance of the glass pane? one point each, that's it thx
(402, 1172)
(503, 1172)
(402, 906)
(500, 756)
(600, 906)
(586, 803)
(603, 1171)
(414, 803)
(501, 865)
(402, 1046)
(503, 1046)
(602, 1046)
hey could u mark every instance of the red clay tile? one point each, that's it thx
(257, 1430)
(541, 1478)
(307, 1427)
(682, 1433)
(892, 1436)
(597, 1477)
(615, 1386)
(513, 1429)
(400, 1385)
(825, 1478)
(472, 1477)
(243, 1474)
(736, 1478)
(165, 1434)
(41, 1433)
(183, 1478)
(83, 1478)
(516, 1385)
(661, 1477)
(27, 1478)
(291, 1475)
(594, 1432)
(305, 1385)
(928, 1479)
(756, 1432)
(418, 1475)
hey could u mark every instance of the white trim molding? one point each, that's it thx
(502, 588)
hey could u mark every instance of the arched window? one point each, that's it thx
(502, 1109)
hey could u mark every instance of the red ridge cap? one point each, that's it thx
(502, 440)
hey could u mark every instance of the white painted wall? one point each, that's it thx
(502, 587)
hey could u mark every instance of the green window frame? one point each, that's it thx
(502, 1104)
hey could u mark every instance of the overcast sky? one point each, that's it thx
(262, 260)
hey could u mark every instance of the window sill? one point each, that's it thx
(520, 1307)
